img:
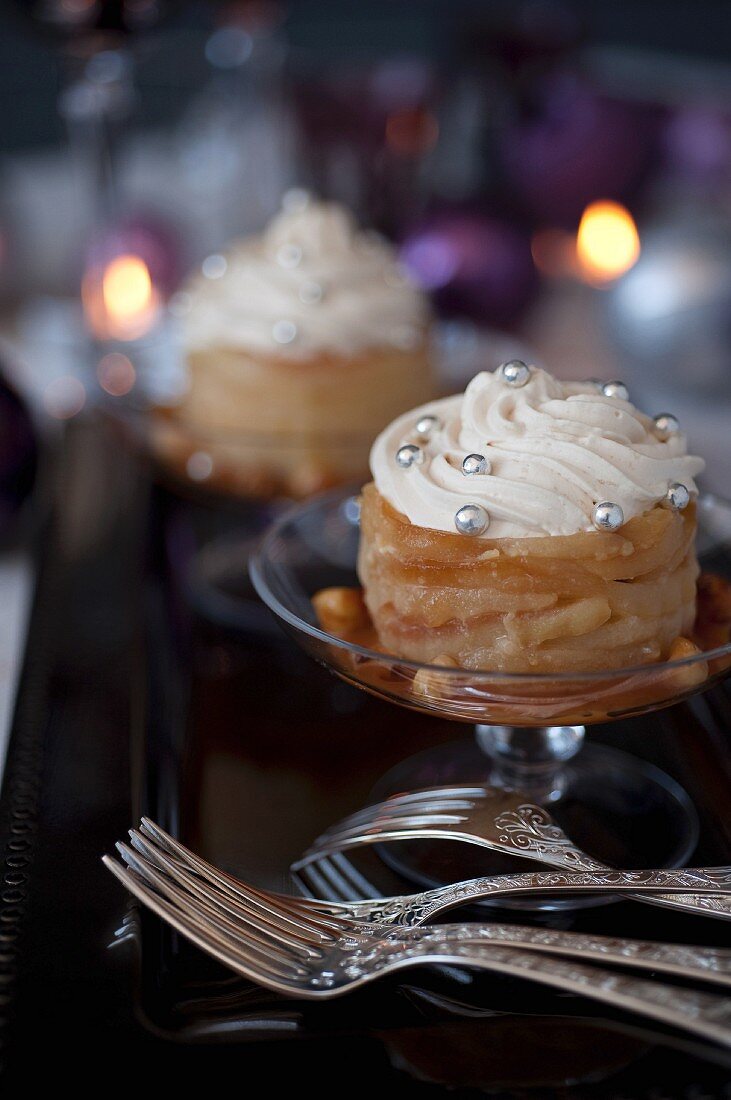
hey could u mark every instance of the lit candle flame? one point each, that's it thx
(120, 301)
(607, 242)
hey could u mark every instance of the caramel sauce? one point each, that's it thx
(471, 695)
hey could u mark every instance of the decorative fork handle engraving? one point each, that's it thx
(694, 1010)
(415, 909)
(525, 830)
(707, 963)
(529, 831)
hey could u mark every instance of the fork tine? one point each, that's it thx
(330, 880)
(226, 882)
(289, 907)
(314, 884)
(274, 946)
(231, 953)
(385, 822)
(355, 882)
(257, 951)
(410, 830)
(154, 834)
(427, 794)
(420, 802)
(240, 899)
(238, 904)
(336, 879)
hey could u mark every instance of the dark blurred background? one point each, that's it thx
(436, 31)
(555, 170)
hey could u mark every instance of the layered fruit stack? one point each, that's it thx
(531, 526)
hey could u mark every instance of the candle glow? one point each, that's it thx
(120, 301)
(607, 242)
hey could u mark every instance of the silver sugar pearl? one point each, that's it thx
(310, 293)
(677, 496)
(471, 519)
(475, 464)
(666, 425)
(409, 455)
(515, 373)
(607, 516)
(289, 255)
(616, 389)
(425, 425)
(284, 332)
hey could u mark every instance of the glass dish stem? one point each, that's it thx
(530, 759)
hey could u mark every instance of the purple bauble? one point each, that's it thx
(18, 456)
(574, 146)
(474, 265)
(697, 143)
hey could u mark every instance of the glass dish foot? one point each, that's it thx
(620, 809)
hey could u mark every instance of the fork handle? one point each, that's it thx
(415, 909)
(699, 905)
(529, 833)
(706, 1014)
(705, 964)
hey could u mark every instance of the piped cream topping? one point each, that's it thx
(313, 282)
(554, 451)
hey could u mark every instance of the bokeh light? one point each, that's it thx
(116, 374)
(607, 243)
(64, 397)
(554, 252)
(199, 466)
(120, 301)
(411, 131)
(127, 289)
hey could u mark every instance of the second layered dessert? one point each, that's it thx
(301, 345)
(531, 525)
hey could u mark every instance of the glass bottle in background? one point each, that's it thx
(234, 144)
(669, 318)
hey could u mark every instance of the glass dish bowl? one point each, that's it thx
(315, 546)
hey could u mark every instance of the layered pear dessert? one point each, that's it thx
(531, 525)
(301, 344)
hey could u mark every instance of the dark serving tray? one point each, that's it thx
(130, 703)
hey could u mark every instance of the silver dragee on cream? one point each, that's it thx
(556, 449)
(340, 287)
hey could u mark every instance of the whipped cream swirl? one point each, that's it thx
(555, 449)
(313, 282)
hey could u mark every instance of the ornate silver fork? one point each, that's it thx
(310, 950)
(488, 817)
(191, 872)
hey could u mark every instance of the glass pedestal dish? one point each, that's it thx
(230, 486)
(529, 729)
